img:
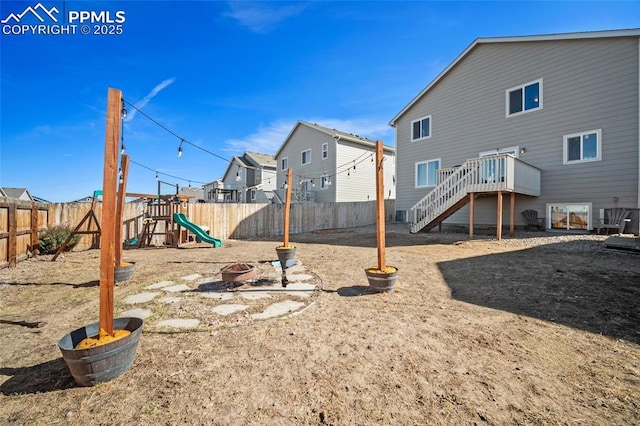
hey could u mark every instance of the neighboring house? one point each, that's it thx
(248, 179)
(331, 166)
(16, 193)
(551, 119)
(196, 195)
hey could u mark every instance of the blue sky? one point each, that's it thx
(233, 76)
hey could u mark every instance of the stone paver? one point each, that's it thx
(180, 323)
(140, 298)
(159, 285)
(176, 288)
(137, 313)
(220, 295)
(300, 289)
(278, 309)
(228, 309)
(299, 277)
(170, 299)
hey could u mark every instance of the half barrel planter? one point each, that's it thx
(104, 362)
(382, 282)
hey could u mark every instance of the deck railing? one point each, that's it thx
(486, 174)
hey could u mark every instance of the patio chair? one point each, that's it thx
(532, 221)
(615, 218)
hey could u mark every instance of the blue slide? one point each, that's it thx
(182, 220)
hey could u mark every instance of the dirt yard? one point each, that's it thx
(533, 330)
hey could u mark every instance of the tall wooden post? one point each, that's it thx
(110, 175)
(380, 231)
(122, 195)
(287, 207)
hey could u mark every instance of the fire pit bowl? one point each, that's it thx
(238, 272)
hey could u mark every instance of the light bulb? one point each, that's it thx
(179, 151)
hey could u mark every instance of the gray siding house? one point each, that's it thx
(331, 166)
(250, 178)
(550, 121)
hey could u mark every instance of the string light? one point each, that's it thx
(165, 174)
(180, 148)
(157, 177)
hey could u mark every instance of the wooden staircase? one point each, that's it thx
(456, 186)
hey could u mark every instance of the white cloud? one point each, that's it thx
(267, 139)
(262, 17)
(141, 104)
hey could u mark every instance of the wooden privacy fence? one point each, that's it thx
(21, 222)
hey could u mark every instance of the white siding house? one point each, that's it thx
(331, 166)
(550, 120)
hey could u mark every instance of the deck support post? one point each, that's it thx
(471, 212)
(512, 207)
(499, 218)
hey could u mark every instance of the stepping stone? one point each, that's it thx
(217, 295)
(137, 313)
(296, 268)
(140, 298)
(191, 277)
(299, 277)
(179, 323)
(300, 289)
(278, 309)
(168, 300)
(228, 309)
(159, 285)
(254, 296)
(176, 288)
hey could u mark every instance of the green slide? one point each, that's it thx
(182, 220)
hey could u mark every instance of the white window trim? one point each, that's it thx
(565, 142)
(415, 180)
(420, 120)
(284, 161)
(589, 214)
(302, 157)
(522, 86)
(325, 151)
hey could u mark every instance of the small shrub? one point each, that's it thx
(51, 239)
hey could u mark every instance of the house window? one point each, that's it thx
(426, 173)
(525, 98)
(325, 182)
(421, 128)
(575, 216)
(325, 151)
(253, 195)
(306, 156)
(284, 163)
(582, 147)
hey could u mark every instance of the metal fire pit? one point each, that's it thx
(238, 272)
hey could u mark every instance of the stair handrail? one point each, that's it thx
(445, 194)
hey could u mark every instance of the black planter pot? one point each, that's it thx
(383, 282)
(105, 362)
(285, 255)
